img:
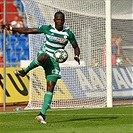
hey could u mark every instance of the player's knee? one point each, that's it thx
(50, 86)
(42, 58)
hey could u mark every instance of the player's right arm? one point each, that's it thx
(7, 27)
(26, 30)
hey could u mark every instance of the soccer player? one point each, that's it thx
(57, 37)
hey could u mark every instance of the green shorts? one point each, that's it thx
(51, 68)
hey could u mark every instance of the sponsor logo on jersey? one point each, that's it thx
(56, 39)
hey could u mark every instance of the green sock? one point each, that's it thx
(32, 65)
(47, 100)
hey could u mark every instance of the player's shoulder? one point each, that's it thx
(46, 26)
(43, 28)
(68, 30)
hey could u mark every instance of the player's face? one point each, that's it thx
(59, 21)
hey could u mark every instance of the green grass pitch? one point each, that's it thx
(97, 120)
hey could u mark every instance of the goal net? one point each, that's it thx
(81, 85)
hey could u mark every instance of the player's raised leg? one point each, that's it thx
(31, 66)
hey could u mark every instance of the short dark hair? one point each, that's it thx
(59, 12)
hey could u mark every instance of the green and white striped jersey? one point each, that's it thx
(55, 39)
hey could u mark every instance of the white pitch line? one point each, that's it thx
(20, 113)
(33, 110)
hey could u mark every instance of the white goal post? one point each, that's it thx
(90, 84)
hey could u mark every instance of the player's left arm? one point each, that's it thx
(73, 41)
(76, 52)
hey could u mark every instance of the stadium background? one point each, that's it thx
(17, 49)
(18, 46)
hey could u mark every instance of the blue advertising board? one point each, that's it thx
(87, 81)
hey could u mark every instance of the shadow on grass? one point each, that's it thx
(86, 119)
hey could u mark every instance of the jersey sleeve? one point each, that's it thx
(43, 29)
(72, 38)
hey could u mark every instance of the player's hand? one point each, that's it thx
(5, 27)
(77, 59)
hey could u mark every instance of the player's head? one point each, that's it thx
(59, 19)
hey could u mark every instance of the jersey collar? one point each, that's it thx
(64, 27)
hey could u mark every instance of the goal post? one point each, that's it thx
(109, 53)
(89, 84)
